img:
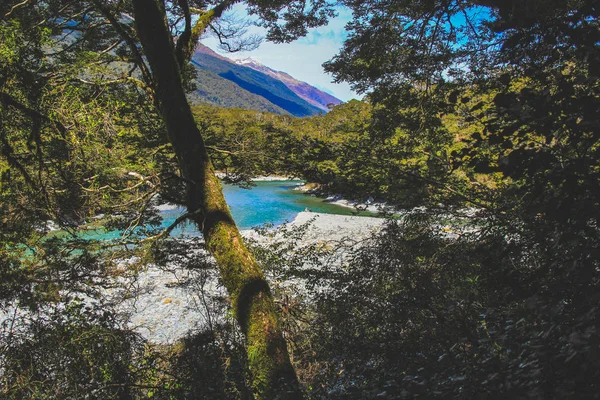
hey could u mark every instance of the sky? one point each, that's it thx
(303, 58)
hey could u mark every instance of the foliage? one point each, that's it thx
(423, 309)
(79, 94)
(509, 309)
(498, 112)
(70, 352)
(243, 143)
(335, 150)
(71, 152)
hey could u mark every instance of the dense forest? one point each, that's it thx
(479, 126)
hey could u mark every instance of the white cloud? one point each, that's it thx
(303, 58)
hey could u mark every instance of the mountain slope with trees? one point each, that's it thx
(314, 96)
(244, 87)
(215, 90)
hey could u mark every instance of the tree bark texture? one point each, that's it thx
(272, 373)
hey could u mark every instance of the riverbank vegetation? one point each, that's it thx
(484, 113)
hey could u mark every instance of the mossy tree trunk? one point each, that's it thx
(272, 373)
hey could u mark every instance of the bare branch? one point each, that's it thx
(124, 79)
(111, 47)
(21, 4)
(142, 180)
(241, 43)
(213, 148)
(187, 41)
(184, 40)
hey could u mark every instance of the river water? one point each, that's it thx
(268, 202)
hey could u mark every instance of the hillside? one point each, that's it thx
(312, 95)
(217, 91)
(225, 83)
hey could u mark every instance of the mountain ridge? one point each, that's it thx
(224, 82)
(311, 94)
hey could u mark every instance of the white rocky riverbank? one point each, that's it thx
(163, 304)
(368, 205)
(335, 227)
(171, 301)
(266, 178)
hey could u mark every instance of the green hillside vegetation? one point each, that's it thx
(212, 89)
(337, 151)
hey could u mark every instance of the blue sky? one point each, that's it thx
(303, 58)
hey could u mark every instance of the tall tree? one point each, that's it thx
(252, 302)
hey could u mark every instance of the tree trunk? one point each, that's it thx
(272, 373)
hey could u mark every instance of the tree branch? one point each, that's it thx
(8, 100)
(131, 43)
(21, 4)
(184, 40)
(137, 82)
(190, 36)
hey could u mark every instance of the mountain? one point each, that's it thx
(223, 82)
(311, 94)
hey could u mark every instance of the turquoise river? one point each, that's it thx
(268, 202)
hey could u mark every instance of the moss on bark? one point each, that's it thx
(272, 373)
